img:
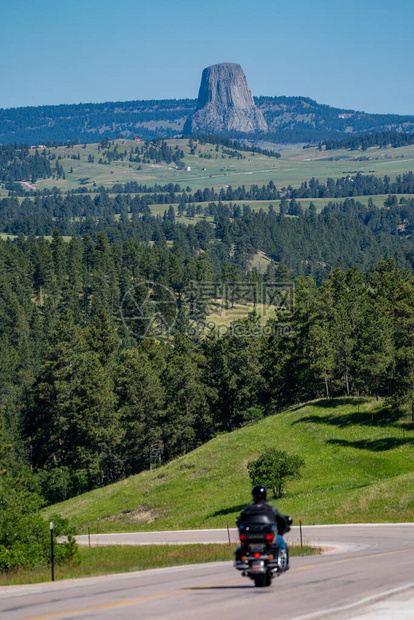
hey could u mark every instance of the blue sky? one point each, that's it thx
(356, 54)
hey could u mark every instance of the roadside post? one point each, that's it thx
(300, 531)
(52, 550)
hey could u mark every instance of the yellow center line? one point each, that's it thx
(184, 590)
(56, 614)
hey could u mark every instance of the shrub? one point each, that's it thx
(273, 468)
(24, 535)
(61, 483)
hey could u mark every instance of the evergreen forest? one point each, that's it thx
(85, 403)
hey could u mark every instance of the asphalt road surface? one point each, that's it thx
(367, 573)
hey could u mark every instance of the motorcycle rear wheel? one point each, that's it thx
(282, 560)
(263, 580)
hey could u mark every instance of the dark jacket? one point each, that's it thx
(261, 508)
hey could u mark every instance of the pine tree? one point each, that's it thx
(297, 381)
(71, 420)
(235, 372)
(321, 346)
(59, 256)
(404, 344)
(72, 286)
(44, 278)
(140, 400)
(344, 294)
(373, 362)
(49, 415)
(188, 419)
(94, 429)
(101, 337)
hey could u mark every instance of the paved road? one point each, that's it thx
(368, 574)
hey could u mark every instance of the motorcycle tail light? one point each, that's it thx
(269, 537)
(242, 536)
(257, 555)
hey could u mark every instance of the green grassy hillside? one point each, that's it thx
(359, 467)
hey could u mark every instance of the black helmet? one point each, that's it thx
(259, 492)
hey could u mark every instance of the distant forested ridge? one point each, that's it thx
(290, 119)
(383, 139)
(344, 234)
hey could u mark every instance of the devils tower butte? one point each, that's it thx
(225, 103)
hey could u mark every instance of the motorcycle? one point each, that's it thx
(263, 554)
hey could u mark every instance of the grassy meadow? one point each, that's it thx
(359, 467)
(221, 316)
(295, 165)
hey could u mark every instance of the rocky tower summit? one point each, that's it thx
(225, 103)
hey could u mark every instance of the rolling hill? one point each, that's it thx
(359, 467)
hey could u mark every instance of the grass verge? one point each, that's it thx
(128, 558)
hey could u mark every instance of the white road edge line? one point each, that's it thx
(363, 602)
(233, 528)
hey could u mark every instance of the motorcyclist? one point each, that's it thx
(260, 507)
